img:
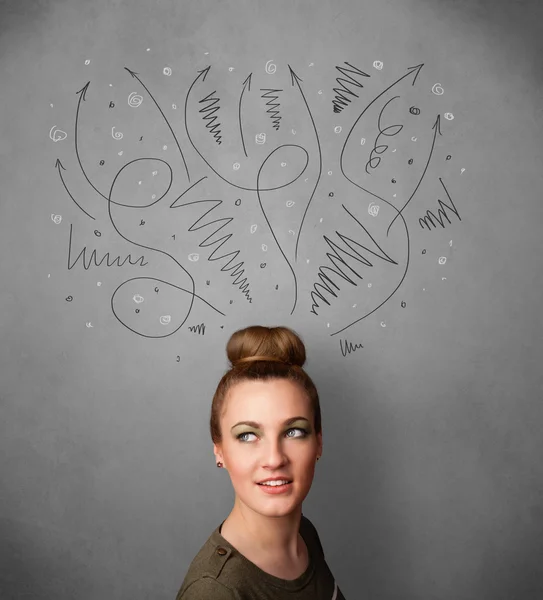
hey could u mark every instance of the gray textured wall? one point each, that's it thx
(430, 484)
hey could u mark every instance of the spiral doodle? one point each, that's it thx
(194, 257)
(260, 138)
(134, 100)
(116, 135)
(449, 116)
(56, 219)
(165, 319)
(437, 89)
(138, 299)
(270, 67)
(373, 209)
(57, 135)
(167, 71)
(442, 260)
(378, 64)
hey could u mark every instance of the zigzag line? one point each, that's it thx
(341, 101)
(335, 258)
(441, 213)
(200, 329)
(87, 263)
(236, 270)
(214, 128)
(273, 105)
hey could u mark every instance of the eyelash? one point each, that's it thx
(304, 431)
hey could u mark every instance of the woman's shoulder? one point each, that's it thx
(205, 588)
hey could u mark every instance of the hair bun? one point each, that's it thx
(259, 343)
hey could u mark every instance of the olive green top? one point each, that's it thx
(220, 572)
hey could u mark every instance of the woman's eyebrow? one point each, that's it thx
(259, 426)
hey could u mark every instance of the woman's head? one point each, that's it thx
(267, 386)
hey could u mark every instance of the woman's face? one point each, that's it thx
(270, 445)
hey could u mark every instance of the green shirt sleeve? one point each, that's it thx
(206, 588)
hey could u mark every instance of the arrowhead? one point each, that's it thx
(437, 124)
(133, 73)
(83, 90)
(293, 75)
(205, 72)
(416, 69)
(248, 80)
(58, 164)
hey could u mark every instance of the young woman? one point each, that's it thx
(266, 430)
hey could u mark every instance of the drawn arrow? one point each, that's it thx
(295, 79)
(201, 77)
(59, 165)
(135, 76)
(437, 130)
(246, 83)
(83, 97)
(416, 70)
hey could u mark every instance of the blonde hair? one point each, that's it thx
(259, 353)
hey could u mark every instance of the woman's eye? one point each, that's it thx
(304, 433)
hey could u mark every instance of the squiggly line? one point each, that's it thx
(269, 95)
(193, 285)
(213, 128)
(341, 101)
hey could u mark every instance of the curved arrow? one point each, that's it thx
(83, 94)
(135, 75)
(246, 83)
(203, 74)
(416, 69)
(437, 129)
(297, 79)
